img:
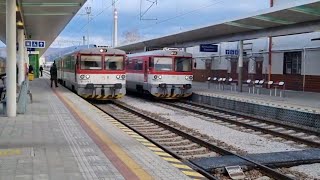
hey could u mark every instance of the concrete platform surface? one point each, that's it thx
(64, 137)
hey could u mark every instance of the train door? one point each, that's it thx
(62, 69)
(75, 58)
(145, 70)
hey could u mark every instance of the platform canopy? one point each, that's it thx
(41, 19)
(294, 18)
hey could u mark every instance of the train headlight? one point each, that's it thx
(123, 76)
(189, 78)
(157, 77)
(87, 76)
(118, 76)
(82, 76)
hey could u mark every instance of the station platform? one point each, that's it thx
(61, 136)
(294, 106)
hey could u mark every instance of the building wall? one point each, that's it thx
(221, 65)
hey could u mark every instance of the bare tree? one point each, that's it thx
(131, 36)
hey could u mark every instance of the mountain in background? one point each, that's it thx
(52, 53)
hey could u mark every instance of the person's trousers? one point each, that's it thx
(55, 82)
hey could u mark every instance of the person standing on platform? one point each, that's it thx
(30, 69)
(54, 74)
(41, 69)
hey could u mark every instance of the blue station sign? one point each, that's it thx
(232, 52)
(208, 48)
(35, 44)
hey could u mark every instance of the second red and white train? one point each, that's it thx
(165, 74)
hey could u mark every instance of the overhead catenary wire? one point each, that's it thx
(80, 30)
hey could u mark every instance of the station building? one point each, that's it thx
(294, 59)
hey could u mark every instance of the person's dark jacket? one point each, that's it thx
(53, 72)
(30, 69)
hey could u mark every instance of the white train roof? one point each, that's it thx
(98, 51)
(161, 53)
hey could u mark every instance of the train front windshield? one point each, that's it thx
(183, 64)
(91, 62)
(162, 63)
(114, 63)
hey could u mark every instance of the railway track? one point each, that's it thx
(181, 142)
(288, 132)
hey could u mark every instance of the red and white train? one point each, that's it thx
(165, 74)
(94, 73)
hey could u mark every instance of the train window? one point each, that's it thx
(91, 62)
(138, 65)
(114, 63)
(151, 65)
(162, 63)
(183, 64)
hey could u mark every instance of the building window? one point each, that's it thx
(292, 63)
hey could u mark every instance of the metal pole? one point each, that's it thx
(21, 72)
(115, 28)
(270, 59)
(88, 10)
(270, 52)
(11, 58)
(115, 24)
(240, 65)
(88, 29)
(304, 67)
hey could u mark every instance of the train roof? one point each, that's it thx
(106, 50)
(161, 53)
(95, 50)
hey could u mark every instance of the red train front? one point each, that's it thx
(165, 74)
(96, 73)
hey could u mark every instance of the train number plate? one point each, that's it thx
(235, 172)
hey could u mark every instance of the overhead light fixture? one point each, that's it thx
(48, 14)
(42, 4)
(19, 23)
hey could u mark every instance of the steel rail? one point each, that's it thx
(268, 171)
(279, 134)
(256, 118)
(189, 163)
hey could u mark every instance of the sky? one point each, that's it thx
(167, 17)
(171, 16)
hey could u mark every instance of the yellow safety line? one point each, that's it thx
(9, 152)
(167, 157)
(136, 168)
